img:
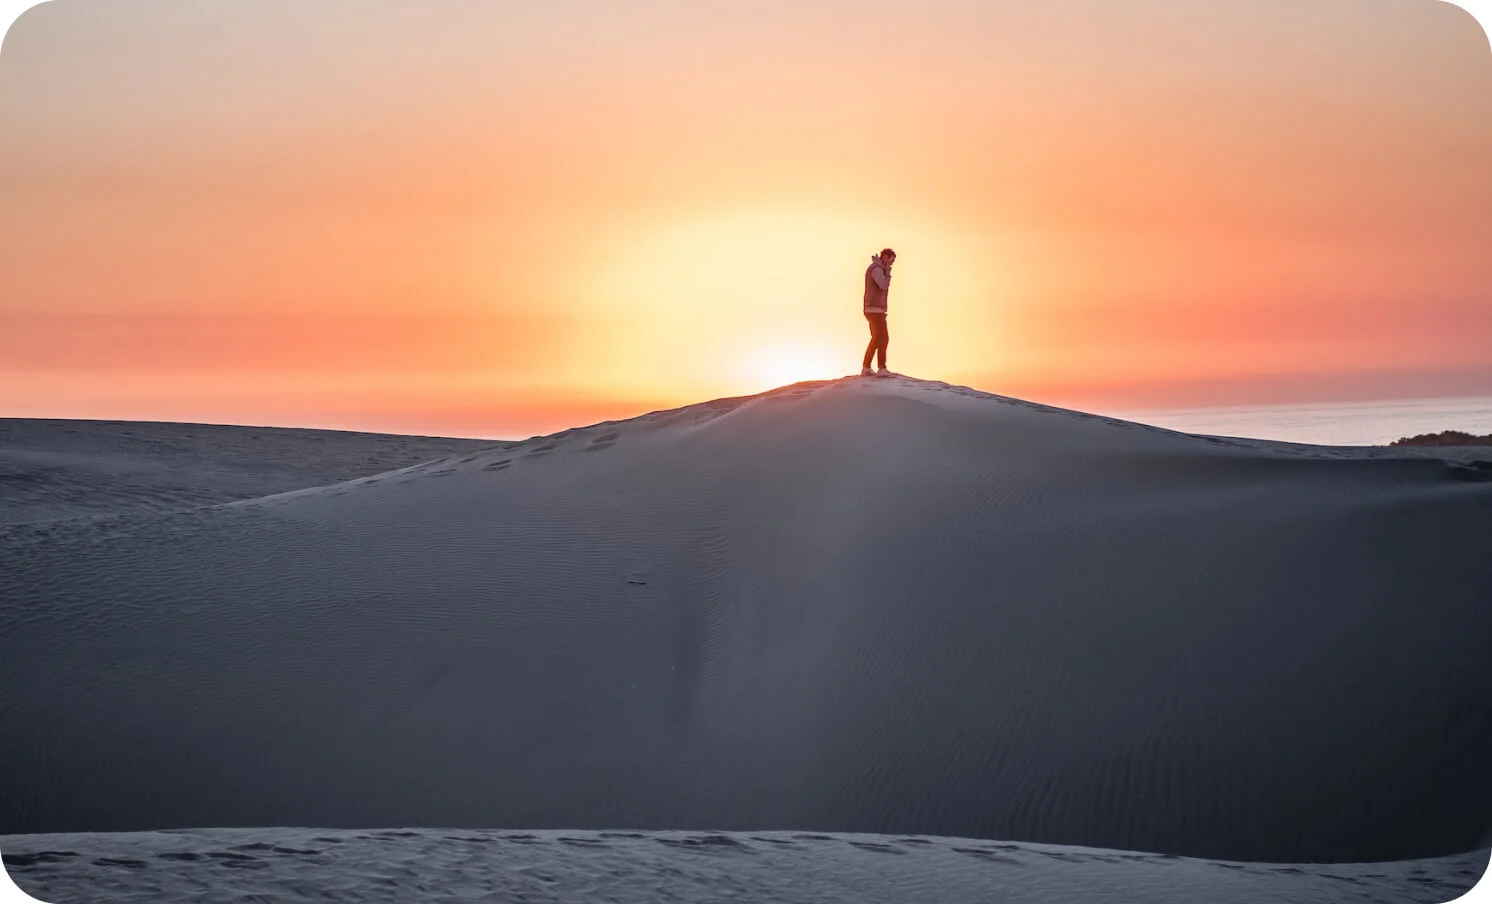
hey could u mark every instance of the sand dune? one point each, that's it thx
(861, 606)
(53, 469)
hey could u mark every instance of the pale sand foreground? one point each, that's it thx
(862, 606)
(304, 865)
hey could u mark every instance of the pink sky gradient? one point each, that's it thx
(501, 219)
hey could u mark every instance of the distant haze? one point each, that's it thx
(504, 219)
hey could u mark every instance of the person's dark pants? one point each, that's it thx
(880, 337)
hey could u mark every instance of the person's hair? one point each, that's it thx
(887, 252)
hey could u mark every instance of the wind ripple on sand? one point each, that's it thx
(623, 867)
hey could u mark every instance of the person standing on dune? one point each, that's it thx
(877, 287)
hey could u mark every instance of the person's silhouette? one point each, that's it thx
(877, 288)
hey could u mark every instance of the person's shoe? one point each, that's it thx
(866, 372)
(883, 372)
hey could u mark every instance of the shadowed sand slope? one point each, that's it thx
(51, 469)
(885, 606)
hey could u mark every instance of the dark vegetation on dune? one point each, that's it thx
(1445, 438)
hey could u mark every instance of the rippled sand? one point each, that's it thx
(622, 867)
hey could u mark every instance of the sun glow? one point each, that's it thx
(735, 301)
(785, 363)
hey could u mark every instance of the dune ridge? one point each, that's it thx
(54, 470)
(892, 607)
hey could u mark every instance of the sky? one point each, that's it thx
(477, 218)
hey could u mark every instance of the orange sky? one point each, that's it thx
(501, 219)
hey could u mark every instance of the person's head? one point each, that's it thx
(888, 256)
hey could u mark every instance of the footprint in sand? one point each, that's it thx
(605, 441)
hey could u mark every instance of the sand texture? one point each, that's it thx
(306, 865)
(863, 606)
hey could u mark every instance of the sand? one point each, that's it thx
(861, 606)
(303, 865)
(57, 469)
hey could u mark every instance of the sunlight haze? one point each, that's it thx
(501, 219)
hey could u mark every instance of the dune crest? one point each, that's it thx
(882, 606)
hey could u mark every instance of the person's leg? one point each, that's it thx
(885, 342)
(875, 341)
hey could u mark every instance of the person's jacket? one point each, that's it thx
(877, 286)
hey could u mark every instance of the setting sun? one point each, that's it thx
(788, 362)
